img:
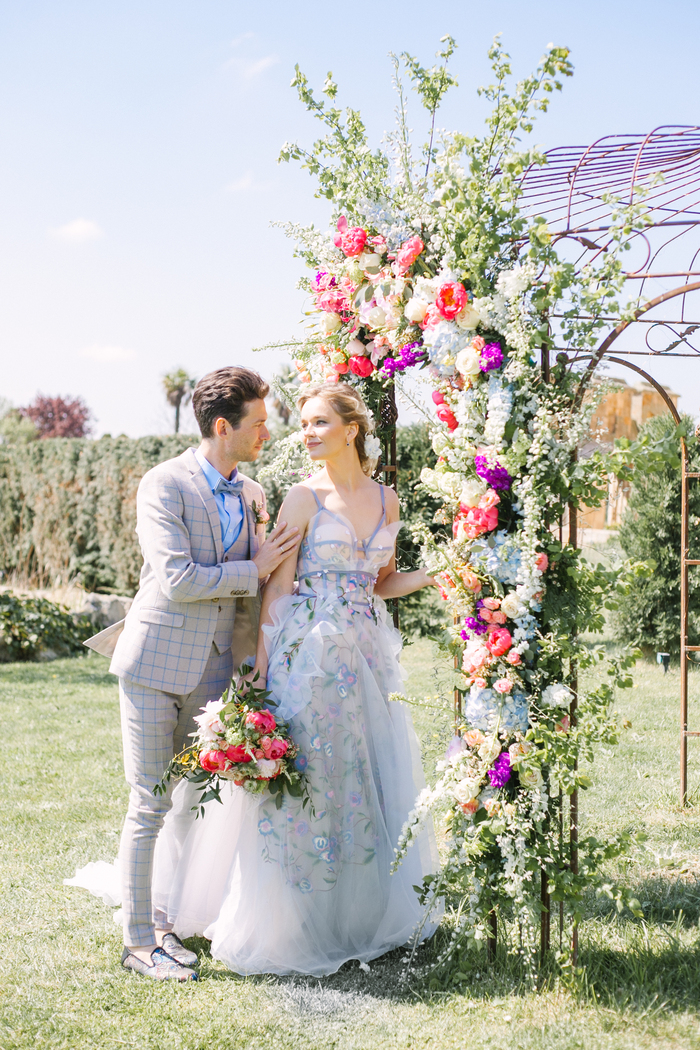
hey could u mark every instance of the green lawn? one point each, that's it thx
(63, 800)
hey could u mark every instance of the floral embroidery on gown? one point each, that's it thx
(289, 890)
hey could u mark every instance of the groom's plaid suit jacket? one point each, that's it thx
(168, 632)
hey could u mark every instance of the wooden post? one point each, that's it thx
(573, 798)
(684, 624)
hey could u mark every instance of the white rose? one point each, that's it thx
(329, 323)
(466, 790)
(369, 261)
(556, 695)
(427, 477)
(489, 751)
(472, 491)
(512, 606)
(468, 362)
(415, 310)
(450, 483)
(531, 778)
(376, 318)
(468, 318)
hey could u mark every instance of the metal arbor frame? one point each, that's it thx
(577, 192)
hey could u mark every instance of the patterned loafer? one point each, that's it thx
(176, 950)
(163, 968)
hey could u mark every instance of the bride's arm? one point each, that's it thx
(296, 510)
(393, 584)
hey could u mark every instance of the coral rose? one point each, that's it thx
(492, 603)
(238, 754)
(499, 641)
(542, 562)
(447, 416)
(471, 581)
(503, 685)
(451, 300)
(213, 761)
(361, 366)
(514, 658)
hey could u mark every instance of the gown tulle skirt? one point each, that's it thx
(306, 889)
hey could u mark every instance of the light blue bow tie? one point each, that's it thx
(234, 488)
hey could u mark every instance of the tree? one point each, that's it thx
(59, 416)
(14, 427)
(651, 531)
(178, 388)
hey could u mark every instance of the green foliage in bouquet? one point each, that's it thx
(31, 626)
(239, 740)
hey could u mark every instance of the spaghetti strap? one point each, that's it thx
(381, 489)
(318, 502)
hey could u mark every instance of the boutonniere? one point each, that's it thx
(261, 516)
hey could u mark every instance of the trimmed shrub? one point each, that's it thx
(32, 627)
(650, 616)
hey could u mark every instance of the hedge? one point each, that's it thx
(68, 509)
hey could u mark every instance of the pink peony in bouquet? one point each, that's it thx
(239, 739)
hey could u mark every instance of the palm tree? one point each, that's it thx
(178, 388)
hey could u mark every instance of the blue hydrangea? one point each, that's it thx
(498, 555)
(485, 709)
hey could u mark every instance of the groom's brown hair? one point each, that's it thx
(225, 393)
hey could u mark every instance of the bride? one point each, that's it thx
(296, 890)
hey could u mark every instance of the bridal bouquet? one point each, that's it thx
(240, 740)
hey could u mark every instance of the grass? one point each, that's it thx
(61, 805)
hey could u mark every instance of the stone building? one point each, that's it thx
(620, 415)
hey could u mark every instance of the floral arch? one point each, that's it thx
(492, 272)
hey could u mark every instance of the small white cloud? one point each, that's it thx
(108, 354)
(239, 39)
(249, 69)
(78, 230)
(246, 182)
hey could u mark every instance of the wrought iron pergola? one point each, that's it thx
(577, 193)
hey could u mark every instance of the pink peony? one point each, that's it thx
(238, 754)
(447, 416)
(542, 562)
(503, 685)
(350, 239)
(499, 641)
(278, 748)
(514, 658)
(480, 683)
(474, 523)
(432, 317)
(361, 366)
(475, 656)
(451, 300)
(489, 499)
(341, 368)
(262, 720)
(408, 253)
(438, 398)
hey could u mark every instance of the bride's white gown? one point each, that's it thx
(289, 890)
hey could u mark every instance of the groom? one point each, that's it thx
(193, 622)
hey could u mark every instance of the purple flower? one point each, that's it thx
(476, 626)
(492, 472)
(491, 357)
(500, 774)
(408, 356)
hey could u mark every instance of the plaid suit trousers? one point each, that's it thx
(155, 727)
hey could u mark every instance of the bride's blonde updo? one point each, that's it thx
(345, 400)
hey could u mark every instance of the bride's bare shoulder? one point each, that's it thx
(391, 502)
(300, 498)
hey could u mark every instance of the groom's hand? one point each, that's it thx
(281, 542)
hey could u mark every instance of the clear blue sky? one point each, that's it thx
(139, 177)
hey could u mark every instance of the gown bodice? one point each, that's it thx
(334, 562)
